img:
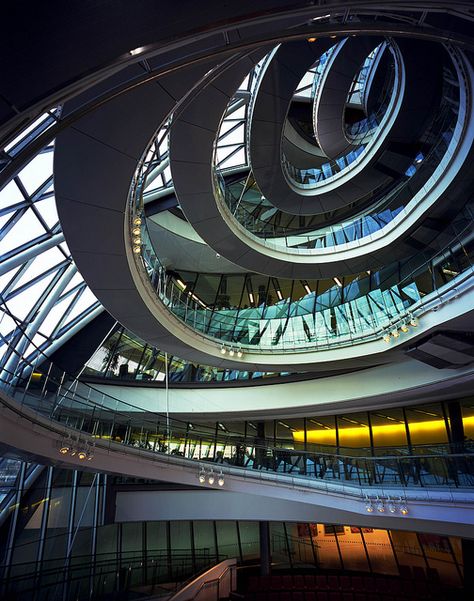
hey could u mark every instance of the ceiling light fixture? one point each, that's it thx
(136, 51)
(220, 480)
(210, 477)
(368, 505)
(202, 476)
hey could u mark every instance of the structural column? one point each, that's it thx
(265, 558)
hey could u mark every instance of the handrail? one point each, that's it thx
(433, 470)
(230, 570)
(359, 319)
(62, 398)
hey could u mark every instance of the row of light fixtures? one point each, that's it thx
(136, 235)
(381, 505)
(403, 326)
(210, 477)
(231, 351)
(81, 449)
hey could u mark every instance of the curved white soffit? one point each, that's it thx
(374, 388)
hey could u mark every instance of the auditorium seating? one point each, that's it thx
(411, 585)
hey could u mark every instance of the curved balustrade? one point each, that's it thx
(92, 416)
(382, 212)
(341, 316)
(363, 133)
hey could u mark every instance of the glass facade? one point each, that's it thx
(61, 543)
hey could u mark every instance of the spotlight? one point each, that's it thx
(395, 333)
(64, 449)
(202, 476)
(386, 337)
(137, 241)
(136, 250)
(73, 452)
(82, 455)
(404, 327)
(380, 505)
(137, 221)
(312, 39)
(210, 477)
(413, 321)
(391, 506)
(220, 480)
(240, 353)
(136, 231)
(403, 507)
(136, 51)
(368, 505)
(223, 350)
(231, 352)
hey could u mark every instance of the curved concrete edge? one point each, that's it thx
(333, 90)
(191, 148)
(376, 168)
(180, 248)
(447, 511)
(383, 387)
(92, 210)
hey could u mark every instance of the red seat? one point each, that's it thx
(421, 588)
(310, 596)
(369, 584)
(357, 583)
(360, 597)
(322, 596)
(333, 583)
(273, 596)
(345, 582)
(405, 571)
(394, 586)
(335, 596)
(310, 582)
(347, 596)
(407, 588)
(321, 582)
(276, 583)
(298, 596)
(287, 582)
(261, 596)
(299, 582)
(419, 573)
(285, 596)
(382, 585)
(254, 584)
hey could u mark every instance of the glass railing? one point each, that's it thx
(362, 135)
(361, 313)
(112, 575)
(93, 418)
(385, 206)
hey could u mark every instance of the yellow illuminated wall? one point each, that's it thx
(423, 432)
